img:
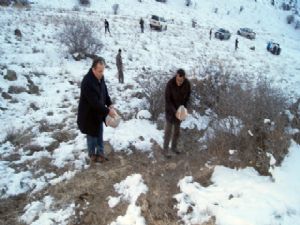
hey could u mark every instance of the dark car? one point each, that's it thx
(222, 34)
(274, 48)
(247, 32)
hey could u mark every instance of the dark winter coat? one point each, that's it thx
(93, 102)
(119, 62)
(176, 96)
(106, 24)
(142, 23)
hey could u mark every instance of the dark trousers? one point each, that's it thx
(121, 76)
(107, 29)
(95, 144)
(171, 130)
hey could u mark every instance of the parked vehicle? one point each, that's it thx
(247, 33)
(158, 23)
(222, 34)
(274, 48)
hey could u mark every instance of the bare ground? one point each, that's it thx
(90, 188)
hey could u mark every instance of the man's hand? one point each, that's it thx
(112, 112)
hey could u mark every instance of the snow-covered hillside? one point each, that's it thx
(40, 105)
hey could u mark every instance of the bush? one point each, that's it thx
(78, 36)
(290, 19)
(285, 6)
(154, 84)
(115, 8)
(84, 2)
(245, 116)
(21, 3)
(5, 2)
(18, 137)
(16, 89)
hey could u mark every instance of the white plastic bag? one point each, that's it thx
(181, 113)
(113, 121)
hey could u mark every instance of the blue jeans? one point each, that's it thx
(95, 144)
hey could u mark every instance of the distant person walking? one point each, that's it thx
(236, 44)
(142, 25)
(210, 33)
(119, 64)
(106, 25)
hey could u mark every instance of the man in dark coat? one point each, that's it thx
(106, 25)
(94, 106)
(177, 93)
(236, 44)
(119, 64)
(142, 25)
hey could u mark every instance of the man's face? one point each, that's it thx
(179, 80)
(98, 71)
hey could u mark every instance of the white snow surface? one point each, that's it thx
(41, 57)
(42, 212)
(243, 196)
(129, 189)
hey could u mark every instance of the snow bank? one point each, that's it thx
(129, 189)
(243, 197)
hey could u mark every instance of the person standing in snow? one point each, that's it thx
(236, 44)
(142, 25)
(119, 64)
(94, 106)
(210, 33)
(106, 25)
(177, 93)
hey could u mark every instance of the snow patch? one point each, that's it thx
(243, 196)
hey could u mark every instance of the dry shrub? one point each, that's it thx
(247, 116)
(18, 137)
(84, 2)
(78, 35)
(154, 84)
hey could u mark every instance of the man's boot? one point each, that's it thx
(166, 153)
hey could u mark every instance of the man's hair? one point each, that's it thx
(97, 60)
(181, 72)
(120, 50)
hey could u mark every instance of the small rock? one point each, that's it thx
(18, 33)
(6, 95)
(171, 166)
(78, 56)
(16, 89)
(141, 138)
(10, 75)
(33, 89)
(144, 205)
(34, 107)
(296, 137)
(108, 148)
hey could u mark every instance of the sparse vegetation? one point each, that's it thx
(5, 2)
(79, 37)
(246, 116)
(84, 2)
(18, 137)
(16, 89)
(154, 84)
